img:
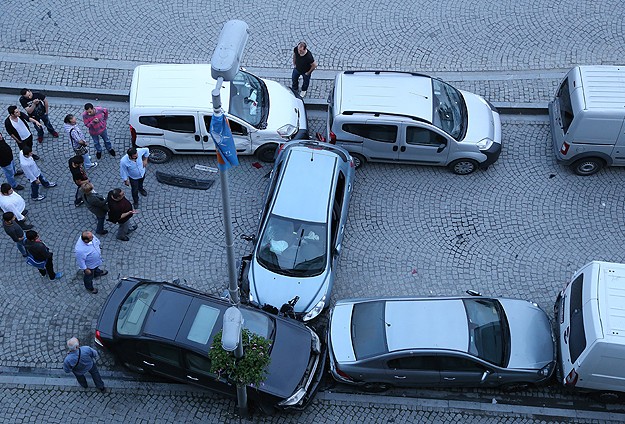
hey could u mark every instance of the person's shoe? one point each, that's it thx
(102, 389)
(94, 291)
(25, 212)
(79, 203)
(58, 276)
(18, 187)
(40, 197)
(134, 227)
(35, 157)
(40, 139)
(93, 165)
(98, 155)
(143, 192)
(50, 185)
(104, 232)
(55, 134)
(103, 273)
(302, 94)
(125, 238)
(19, 172)
(25, 256)
(135, 205)
(112, 152)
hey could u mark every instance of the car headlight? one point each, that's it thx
(295, 398)
(546, 370)
(484, 144)
(287, 131)
(316, 310)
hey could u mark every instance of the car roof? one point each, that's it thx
(394, 93)
(306, 183)
(414, 324)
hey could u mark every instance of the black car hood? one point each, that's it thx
(292, 346)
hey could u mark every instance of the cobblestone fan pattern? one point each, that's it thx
(61, 405)
(353, 34)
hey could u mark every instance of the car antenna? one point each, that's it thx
(146, 304)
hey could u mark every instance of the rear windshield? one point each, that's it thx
(577, 336)
(368, 329)
(564, 101)
(135, 309)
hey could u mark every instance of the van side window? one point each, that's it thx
(566, 110)
(174, 123)
(423, 136)
(577, 337)
(378, 132)
(236, 128)
(337, 206)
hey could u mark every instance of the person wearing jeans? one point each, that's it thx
(34, 175)
(96, 205)
(37, 107)
(120, 212)
(80, 360)
(13, 230)
(303, 65)
(89, 259)
(17, 127)
(132, 170)
(77, 140)
(7, 164)
(95, 119)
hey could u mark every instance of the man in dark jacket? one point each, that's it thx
(79, 176)
(40, 253)
(37, 107)
(13, 230)
(17, 127)
(7, 164)
(120, 212)
(96, 205)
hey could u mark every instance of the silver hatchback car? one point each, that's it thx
(301, 228)
(441, 342)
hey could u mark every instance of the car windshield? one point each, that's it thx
(135, 308)
(449, 112)
(489, 336)
(249, 99)
(292, 247)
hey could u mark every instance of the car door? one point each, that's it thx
(380, 140)
(240, 133)
(161, 358)
(459, 370)
(198, 372)
(178, 130)
(413, 369)
(424, 145)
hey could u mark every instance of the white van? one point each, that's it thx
(587, 118)
(171, 108)
(590, 320)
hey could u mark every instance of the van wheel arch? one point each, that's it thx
(608, 396)
(359, 159)
(266, 152)
(463, 166)
(159, 154)
(588, 166)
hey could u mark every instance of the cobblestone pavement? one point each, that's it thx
(519, 229)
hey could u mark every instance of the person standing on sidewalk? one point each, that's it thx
(34, 175)
(95, 119)
(96, 205)
(13, 230)
(77, 139)
(40, 253)
(17, 127)
(79, 176)
(89, 259)
(120, 212)
(37, 107)
(8, 165)
(132, 170)
(10, 201)
(303, 66)
(80, 360)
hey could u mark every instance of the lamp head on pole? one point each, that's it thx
(232, 327)
(227, 54)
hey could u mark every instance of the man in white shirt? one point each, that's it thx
(17, 126)
(132, 170)
(10, 201)
(34, 175)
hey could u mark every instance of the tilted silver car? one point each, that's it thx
(301, 228)
(462, 341)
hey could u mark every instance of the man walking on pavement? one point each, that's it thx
(96, 205)
(132, 170)
(7, 164)
(77, 139)
(17, 127)
(10, 201)
(13, 230)
(95, 120)
(89, 259)
(80, 360)
(79, 176)
(303, 65)
(120, 212)
(37, 107)
(34, 175)
(40, 253)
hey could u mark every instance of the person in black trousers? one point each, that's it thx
(40, 252)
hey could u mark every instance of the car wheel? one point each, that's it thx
(608, 397)
(359, 160)
(159, 154)
(587, 166)
(266, 152)
(516, 387)
(266, 408)
(463, 166)
(376, 387)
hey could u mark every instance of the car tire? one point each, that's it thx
(516, 387)
(159, 154)
(266, 408)
(359, 160)
(608, 397)
(463, 166)
(376, 387)
(587, 166)
(266, 152)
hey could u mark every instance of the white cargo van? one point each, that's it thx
(590, 316)
(587, 118)
(171, 108)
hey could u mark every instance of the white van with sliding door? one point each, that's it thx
(590, 320)
(587, 118)
(171, 109)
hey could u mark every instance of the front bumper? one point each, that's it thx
(492, 154)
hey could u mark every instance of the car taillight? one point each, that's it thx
(342, 374)
(565, 148)
(332, 138)
(98, 338)
(571, 379)
(133, 135)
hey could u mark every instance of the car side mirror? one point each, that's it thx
(249, 237)
(485, 376)
(337, 250)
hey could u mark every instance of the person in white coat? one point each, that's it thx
(33, 173)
